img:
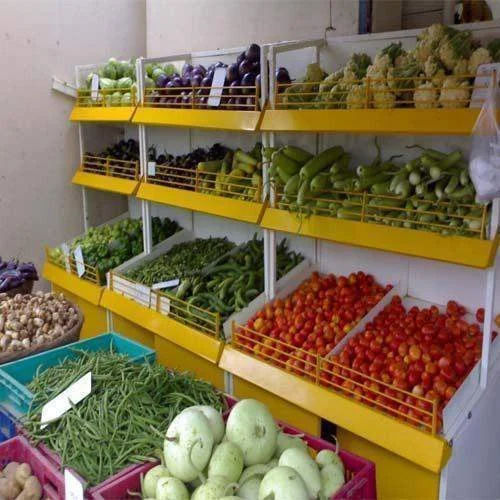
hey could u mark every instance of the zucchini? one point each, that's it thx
(297, 154)
(320, 162)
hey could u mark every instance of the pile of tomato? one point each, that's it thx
(420, 351)
(312, 320)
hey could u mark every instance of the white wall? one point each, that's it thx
(38, 146)
(177, 26)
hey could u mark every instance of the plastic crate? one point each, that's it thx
(7, 426)
(15, 376)
(18, 449)
(360, 473)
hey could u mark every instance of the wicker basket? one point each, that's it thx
(68, 337)
(23, 289)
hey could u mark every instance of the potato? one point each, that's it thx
(9, 489)
(23, 472)
(32, 490)
(10, 469)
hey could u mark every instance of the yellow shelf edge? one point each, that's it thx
(245, 211)
(188, 338)
(200, 118)
(457, 121)
(425, 244)
(102, 114)
(78, 286)
(430, 452)
(105, 183)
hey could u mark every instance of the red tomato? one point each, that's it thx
(480, 315)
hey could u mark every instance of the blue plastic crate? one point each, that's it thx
(15, 376)
(7, 426)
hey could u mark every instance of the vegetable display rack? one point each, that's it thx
(204, 192)
(69, 264)
(108, 174)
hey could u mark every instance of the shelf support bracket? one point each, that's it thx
(63, 87)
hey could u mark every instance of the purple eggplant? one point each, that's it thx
(196, 80)
(232, 73)
(186, 69)
(252, 54)
(233, 90)
(240, 58)
(248, 80)
(244, 67)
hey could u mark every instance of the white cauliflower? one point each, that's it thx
(479, 56)
(434, 32)
(423, 50)
(454, 93)
(438, 78)
(403, 59)
(461, 67)
(383, 97)
(425, 96)
(453, 48)
(349, 76)
(356, 98)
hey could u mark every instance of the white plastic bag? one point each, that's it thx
(484, 165)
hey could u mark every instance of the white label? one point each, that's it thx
(216, 89)
(63, 402)
(80, 265)
(65, 250)
(151, 168)
(483, 80)
(73, 488)
(166, 284)
(94, 87)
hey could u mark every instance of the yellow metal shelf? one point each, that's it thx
(102, 114)
(193, 340)
(105, 183)
(372, 121)
(79, 287)
(245, 211)
(422, 448)
(454, 249)
(199, 118)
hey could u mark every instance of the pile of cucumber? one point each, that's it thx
(432, 191)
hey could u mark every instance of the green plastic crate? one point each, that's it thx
(14, 377)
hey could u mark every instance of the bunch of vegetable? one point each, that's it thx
(310, 321)
(430, 357)
(173, 89)
(432, 191)
(437, 72)
(112, 427)
(236, 279)
(123, 150)
(106, 247)
(182, 260)
(13, 274)
(18, 483)
(249, 457)
(117, 83)
(180, 171)
(31, 320)
(237, 175)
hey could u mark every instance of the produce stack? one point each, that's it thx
(438, 72)
(16, 277)
(431, 192)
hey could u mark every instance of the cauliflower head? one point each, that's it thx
(478, 57)
(461, 67)
(455, 47)
(383, 97)
(454, 93)
(350, 76)
(425, 96)
(433, 33)
(356, 97)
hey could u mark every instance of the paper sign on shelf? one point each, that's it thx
(80, 265)
(65, 251)
(216, 89)
(482, 83)
(73, 487)
(94, 86)
(63, 402)
(151, 168)
(166, 284)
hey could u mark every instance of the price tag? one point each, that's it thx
(80, 265)
(482, 83)
(73, 487)
(166, 284)
(94, 86)
(216, 89)
(63, 402)
(65, 250)
(151, 168)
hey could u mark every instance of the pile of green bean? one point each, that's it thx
(122, 421)
(181, 260)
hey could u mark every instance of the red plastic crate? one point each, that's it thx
(18, 449)
(360, 472)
